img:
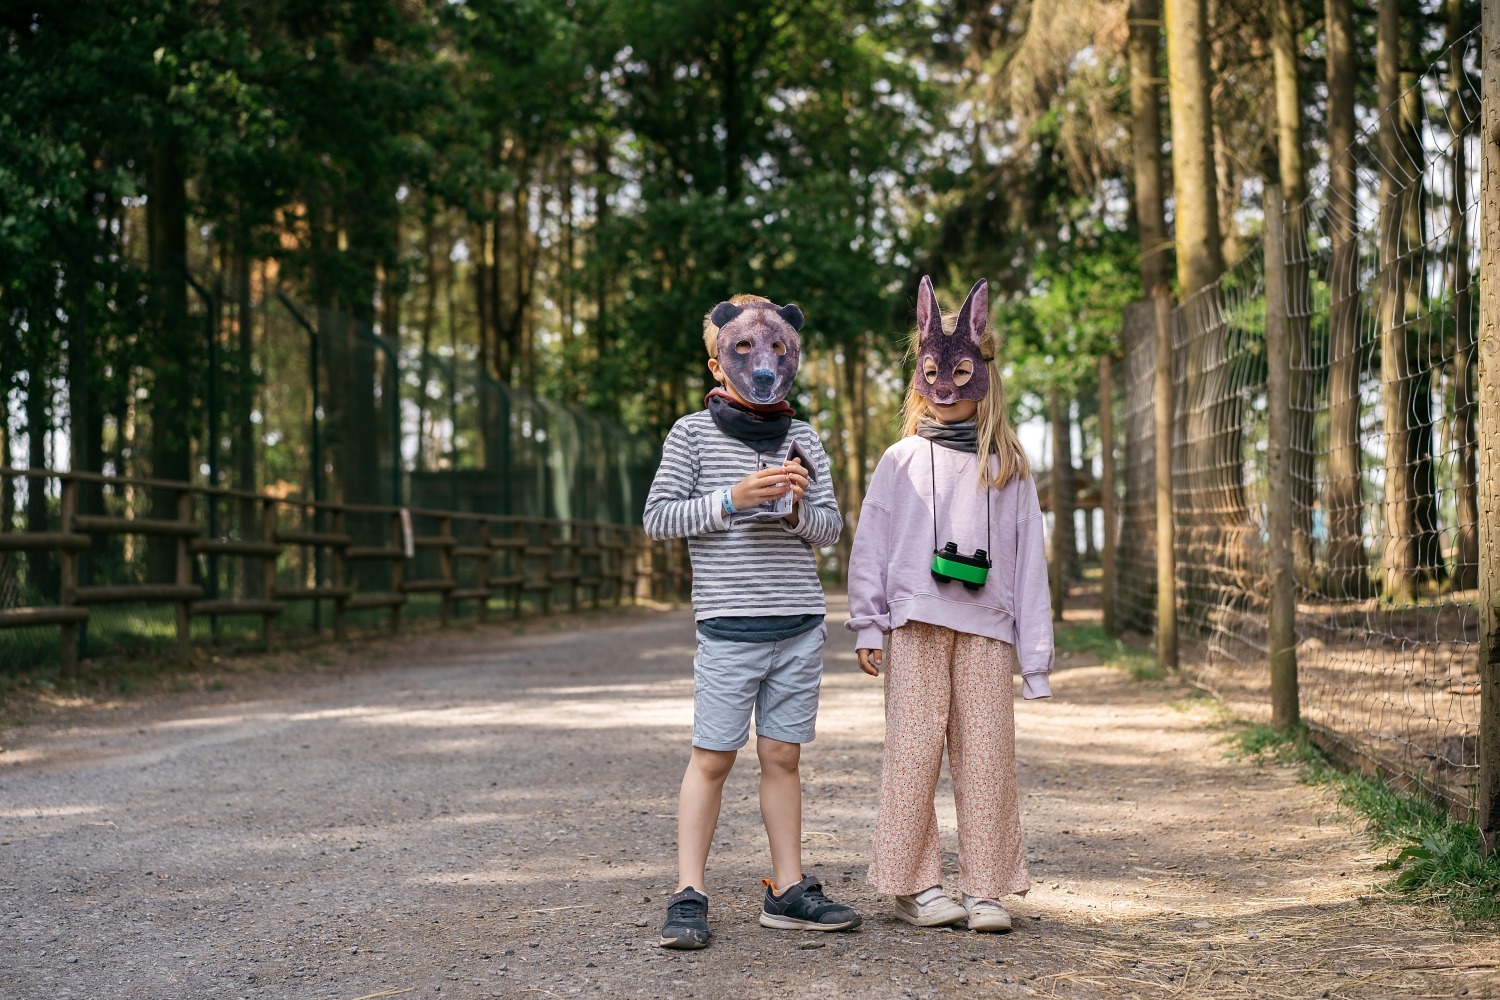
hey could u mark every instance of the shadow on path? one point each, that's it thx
(489, 814)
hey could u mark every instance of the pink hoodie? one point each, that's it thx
(890, 567)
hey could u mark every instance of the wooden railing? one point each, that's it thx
(301, 550)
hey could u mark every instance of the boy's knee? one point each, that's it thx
(712, 765)
(774, 753)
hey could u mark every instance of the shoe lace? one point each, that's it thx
(814, 893)
(686, 910)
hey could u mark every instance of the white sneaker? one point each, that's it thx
(930, 908)
(986, 915)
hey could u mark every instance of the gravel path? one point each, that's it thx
(489, 812)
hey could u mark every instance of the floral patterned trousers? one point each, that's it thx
(946, 687)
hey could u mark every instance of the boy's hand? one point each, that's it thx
(870, 660)
(796, 478)
(765, 484)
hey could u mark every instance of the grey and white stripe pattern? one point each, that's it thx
(747, 569)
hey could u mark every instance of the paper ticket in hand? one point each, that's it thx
(775, 510)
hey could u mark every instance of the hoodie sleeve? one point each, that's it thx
(818, 520)
(1033, 598)
(869, 610)
(672, 511)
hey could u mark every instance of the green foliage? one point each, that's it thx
(1112, 652)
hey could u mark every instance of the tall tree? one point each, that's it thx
(1211, 497)
(1347, 574)
(1466, 554)
(1146, 133)
(1399, 556)
(1286, 52)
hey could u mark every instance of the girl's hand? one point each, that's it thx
(870, 660)
(760, 486)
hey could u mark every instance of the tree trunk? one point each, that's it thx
(1211, 497)
(1419, 341)
(1399, 555)
(1107, 492)
(1292, 169)
(1466, 556)
(1199, 261)
(1064, 540)
(172, 391)
(1487, 797)
(1145, 117)
(245, 380)
(1347, 574)
(38, 424)
(429, 323)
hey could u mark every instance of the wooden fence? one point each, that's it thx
(272, 551)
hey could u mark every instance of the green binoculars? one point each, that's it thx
(950, 565)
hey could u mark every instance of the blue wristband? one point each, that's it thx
(729, 507)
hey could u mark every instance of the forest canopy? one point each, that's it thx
(554, 192)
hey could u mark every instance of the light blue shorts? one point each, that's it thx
(777, 680)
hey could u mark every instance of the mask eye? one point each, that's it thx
(929, 370)
(743, 347)
(779, 348)
(963, 372)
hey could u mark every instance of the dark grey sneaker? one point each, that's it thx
(803, 907)
(687, 920)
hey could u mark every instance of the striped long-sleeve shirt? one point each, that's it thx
(747, 569)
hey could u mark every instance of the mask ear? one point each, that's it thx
(929, 315)
(974, 316)
(723, 314)
(792, 315)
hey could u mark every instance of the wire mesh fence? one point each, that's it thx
(1384, 468)
(295, 403)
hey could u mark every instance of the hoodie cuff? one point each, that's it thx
(870, 637)
(1034, 686)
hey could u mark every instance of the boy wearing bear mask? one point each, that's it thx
(749, 487)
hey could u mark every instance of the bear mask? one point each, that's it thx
(759, 348)
(950, 366)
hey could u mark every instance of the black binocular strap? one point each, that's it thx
(932, 467)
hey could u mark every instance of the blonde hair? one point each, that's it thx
(995, 434)
(711, 329)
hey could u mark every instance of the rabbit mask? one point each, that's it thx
(950, 366)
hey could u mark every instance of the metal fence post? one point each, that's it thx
(1166, 559)
(1281, 637)
(1487, 808)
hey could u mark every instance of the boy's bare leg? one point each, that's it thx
(698, 813)
(781, 807)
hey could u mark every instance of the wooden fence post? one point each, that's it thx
(1281, 635)
(184, 576)
(1487, 808)
(484, 571)
(1166, 559)
(336, 579)
(398, 568)
(68, 634)
(1107, 489)
(268, 566)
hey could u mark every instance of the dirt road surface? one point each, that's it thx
(482, 813)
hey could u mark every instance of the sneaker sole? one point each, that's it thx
(939, 921)
(682, 944)
(995, 928)
(793, 924)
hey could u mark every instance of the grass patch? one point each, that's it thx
(1435, 859)
(1141, 665)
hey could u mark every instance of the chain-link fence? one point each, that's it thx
(1381, 326)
